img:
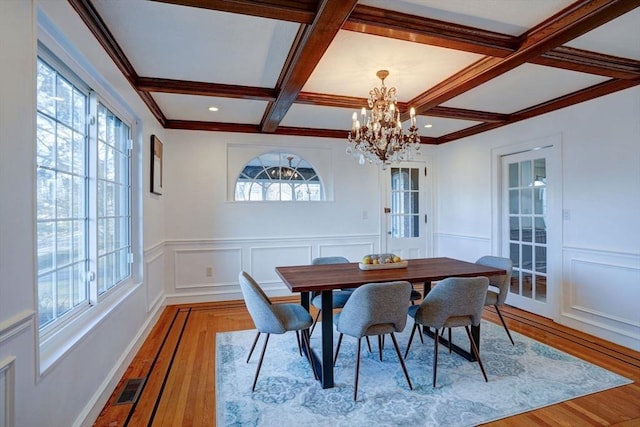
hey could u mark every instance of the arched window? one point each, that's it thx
(278, 175)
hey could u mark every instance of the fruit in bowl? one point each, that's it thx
(377, 259)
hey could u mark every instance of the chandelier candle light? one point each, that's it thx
(378, 137)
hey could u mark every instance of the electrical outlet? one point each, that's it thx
(209, 271)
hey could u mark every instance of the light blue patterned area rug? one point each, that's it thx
(521, 378)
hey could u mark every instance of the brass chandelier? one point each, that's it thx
(378, 137)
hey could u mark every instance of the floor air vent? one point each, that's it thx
(130, 391)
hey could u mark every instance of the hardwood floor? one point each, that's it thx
(178, 360)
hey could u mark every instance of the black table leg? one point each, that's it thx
(323, 364)
(327, 340)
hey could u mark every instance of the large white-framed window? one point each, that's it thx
(83, 196)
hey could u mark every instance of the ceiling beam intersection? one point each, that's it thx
(310, 46)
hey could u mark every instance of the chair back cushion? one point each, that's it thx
(259, 306)
(456, 301)
(375, 309)
(330, 260)
(501, 282)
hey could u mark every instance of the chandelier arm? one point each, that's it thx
(379, 138)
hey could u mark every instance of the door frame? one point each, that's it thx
(427, 199)
(554, 212)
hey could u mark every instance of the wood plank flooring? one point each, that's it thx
(178, 360)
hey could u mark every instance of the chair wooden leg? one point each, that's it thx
(305, 341)
(504, 324)
(337, 349)
(475, 352)
(449, 340)
(413, 331)
(435, 355)
(314, 322)
(420, 334)
(404, 368)
(255, 379)
(380, 345)
(355, 389)
(255, 341)
(368, 344)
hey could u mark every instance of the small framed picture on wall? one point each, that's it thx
(156, 165)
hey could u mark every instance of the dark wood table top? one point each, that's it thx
(310, 278)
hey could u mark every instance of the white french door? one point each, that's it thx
(405, 223)
(530, 228)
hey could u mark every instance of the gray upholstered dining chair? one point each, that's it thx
(453, 302)
(498, 285)
(374, 309)
(273, 319)
(340, 297)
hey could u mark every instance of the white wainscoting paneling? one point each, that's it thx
(602, 293)
(466, 248)
(7, 391)
(187, 275)
(353, 251)
(206, 267)
(154, 277)
(264, 260)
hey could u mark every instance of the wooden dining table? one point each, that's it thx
(323, 279)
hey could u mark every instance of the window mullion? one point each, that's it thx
(92, 198)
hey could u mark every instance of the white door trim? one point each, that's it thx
(554, 249)
(427, 199)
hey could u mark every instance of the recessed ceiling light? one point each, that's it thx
(213, 108)
(428, 125)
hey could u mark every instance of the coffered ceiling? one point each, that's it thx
(303, 67)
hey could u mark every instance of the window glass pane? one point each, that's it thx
(526, 174)
(64, 101)
(276, 176)
(514, 201)
(46, 84)
(525, 199)
(540, 171)
(45, 141)
(513, 175)
(540, 200)
(415, 230)
(541, 259)
(541, 288)
(415, 181)
(514, 228)
(64, 148)
(63, 195)
(45, 299)
(527, 232)
(527, 257)
(527, 285)
(46, 202)
(514, 287)
(46, 247)
(64, 290)
(541, 230)
(514, 254)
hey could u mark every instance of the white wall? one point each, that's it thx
(76, 386)
(206, 229)
(600, 265)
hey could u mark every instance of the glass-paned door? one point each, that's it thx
(405, 211)
(525, 223)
